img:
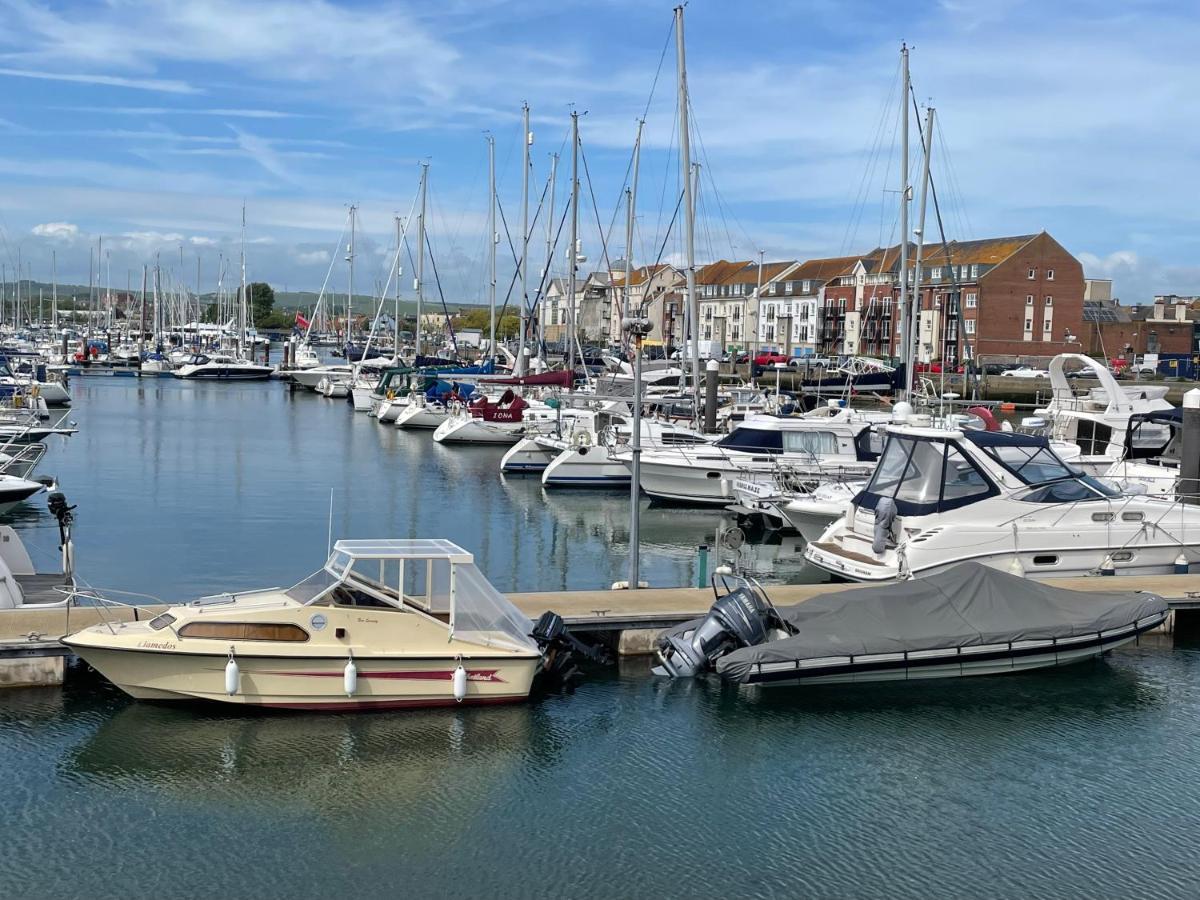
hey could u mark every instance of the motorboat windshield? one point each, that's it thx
(1027, 456)
(435, 577)
(926, 474)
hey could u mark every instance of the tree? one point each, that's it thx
(262, 301)
(507, 326)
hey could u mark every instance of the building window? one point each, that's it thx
(969, 326)
(1047, 325)
(972, 301)
(1029, 324)
(1049, 274)
(936, 273)
(974, 270)
(1049, 300)
(1032, 274)
(1029, 299)
(806, 287)
(787, 286)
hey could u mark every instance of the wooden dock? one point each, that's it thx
(30, 649)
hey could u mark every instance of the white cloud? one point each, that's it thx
(63, 231)
(144, 84)
(197, 240)
(311, 257)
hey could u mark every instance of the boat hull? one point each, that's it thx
(462, 430)
(1023, 656)
(589, 466)
(527, 457)
(420, 416)
(310, 683)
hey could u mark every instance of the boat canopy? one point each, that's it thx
(435, 576)
(925, 474)
(970, 607)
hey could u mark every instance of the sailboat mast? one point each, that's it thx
(912, 334)
(689, 209)
(421, 254)
(573, 250)
(635, 485)
(905, 192)
(396, 278)
(241, 336)
(492, 238)
(546, 275)
(54, 287)
(526, 142)
(142, 325)
(350, 279)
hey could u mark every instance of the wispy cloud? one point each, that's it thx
(56, 230)
(188, 111)
(163, 85)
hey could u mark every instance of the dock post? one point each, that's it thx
(702, 577)
(1189, 452)
(712, 370)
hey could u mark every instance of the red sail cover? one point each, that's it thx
(545, 379)
(509, 408)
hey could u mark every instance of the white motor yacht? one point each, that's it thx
(828, 443)
(222, 367)
(941, 497)
(311, 376)
(384, 624)
(1099, 420)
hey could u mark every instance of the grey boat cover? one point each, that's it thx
(967, 605)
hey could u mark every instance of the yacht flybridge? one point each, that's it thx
(384, 624)
(1099, 421)
(939, 497)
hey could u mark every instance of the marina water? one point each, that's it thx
(1074, 782)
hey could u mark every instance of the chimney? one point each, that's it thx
(1180, 311)
(1160, 307)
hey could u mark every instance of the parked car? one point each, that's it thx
(1026, 372)
(810, 362)
(929, 368)
(771, 358)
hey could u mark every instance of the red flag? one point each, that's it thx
(300, 320)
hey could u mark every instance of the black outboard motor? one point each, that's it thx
(560, 647)
(741, 618)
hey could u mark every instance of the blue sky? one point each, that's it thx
(150, 121)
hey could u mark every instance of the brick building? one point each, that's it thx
(1007, 298)
(1170, 326)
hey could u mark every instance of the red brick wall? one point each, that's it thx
(1002, 302)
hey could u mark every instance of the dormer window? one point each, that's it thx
(936, 273)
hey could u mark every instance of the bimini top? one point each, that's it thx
(403, 548)
(967, 606)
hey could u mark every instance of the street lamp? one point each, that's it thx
(636, 328)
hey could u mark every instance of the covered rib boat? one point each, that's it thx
(968, 620)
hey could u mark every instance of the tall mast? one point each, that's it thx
(689, 210)
(396, 278)
(241, 336)
(17, 299)
(573, 250)
(54, 288)
(546, 275)
(911, 333)
(492, 238)
(905, 193)
(142, 325)
(421, 254)
(526, 143)
(350, 280)
(91, 288)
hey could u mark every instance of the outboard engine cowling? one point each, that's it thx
(741, 618)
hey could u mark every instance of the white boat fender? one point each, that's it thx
(231, 675)
(1108, 567)
(460, 683)
(350, 677)
(1181, 564)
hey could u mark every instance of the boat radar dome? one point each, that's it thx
(902, 411)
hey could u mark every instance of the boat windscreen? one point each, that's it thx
(313, 586)
(1033, 465)
(482, 615)
(924, 476)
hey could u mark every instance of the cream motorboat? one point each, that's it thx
(385, 624)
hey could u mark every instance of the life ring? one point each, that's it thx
(391, 395)
(583, 439)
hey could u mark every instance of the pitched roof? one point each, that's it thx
(639, 275)
(721, 272)
(988, 251)
(824, 269)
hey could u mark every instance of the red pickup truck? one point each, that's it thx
(771, 358)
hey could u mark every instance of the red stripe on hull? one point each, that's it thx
(389, 704)
(477, 675)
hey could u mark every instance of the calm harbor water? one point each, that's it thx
(1072, 783)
